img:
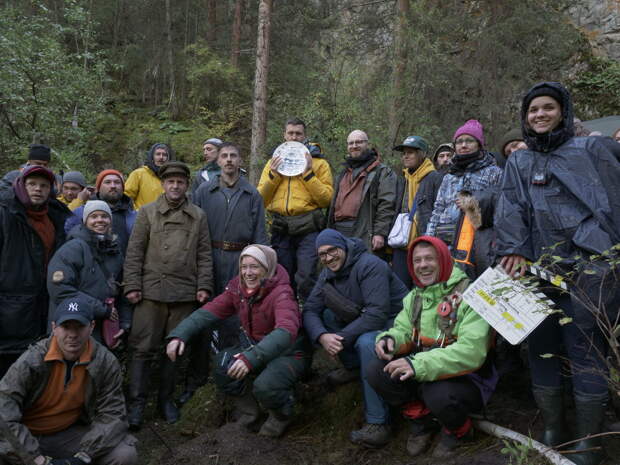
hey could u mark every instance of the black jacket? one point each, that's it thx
(23, 295)
(366, 280)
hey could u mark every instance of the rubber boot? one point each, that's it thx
(198, 368)
(248, 409)
(275, 425)
(167, 384)
(550, 401)
(589, 416)
(139, 374)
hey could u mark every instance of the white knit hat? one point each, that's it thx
(93, 206)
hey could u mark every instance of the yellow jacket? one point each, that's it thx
(300, 194)
(76, 202)
(143, 186)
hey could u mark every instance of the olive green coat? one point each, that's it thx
(169, 253)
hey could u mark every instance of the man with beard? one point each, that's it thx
(31, 221)
(365, 193)
(109, 188)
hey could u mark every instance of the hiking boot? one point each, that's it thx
(448, 443)
(247, 409)
(550, 401)
(421, 432)
(371, 435)
(342, 376)
(275, 425)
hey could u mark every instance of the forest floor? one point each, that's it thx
(207, 435)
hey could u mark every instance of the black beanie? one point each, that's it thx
(39, 152)
(544, 90)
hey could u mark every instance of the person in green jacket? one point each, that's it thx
(433, 361)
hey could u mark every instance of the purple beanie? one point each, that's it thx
(473, 128)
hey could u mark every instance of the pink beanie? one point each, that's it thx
(473, 128)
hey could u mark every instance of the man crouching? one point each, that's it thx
(433, 361)
(62, 401)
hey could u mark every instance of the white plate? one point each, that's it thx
(293, 155)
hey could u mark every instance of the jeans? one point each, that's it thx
(376, 411)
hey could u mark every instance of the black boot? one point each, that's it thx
(167, 384)
(139, 373)
(589, 415)
(550, 401)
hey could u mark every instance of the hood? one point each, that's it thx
(149, 157)
(355, 248)
(446, 146)
(19, 186)
(551, 140)
(445, 259)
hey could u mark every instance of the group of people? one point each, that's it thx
(88, 270)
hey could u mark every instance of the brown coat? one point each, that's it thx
(169, 253)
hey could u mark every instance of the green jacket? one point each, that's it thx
(473, 335)
(169, 253)
(104, 402)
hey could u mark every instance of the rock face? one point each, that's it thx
(600, 21)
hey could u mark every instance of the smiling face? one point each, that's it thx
(99, 222)
(357, 143)
(72, 337)
(425, 263)
(252, 272)
(332, 257)
(175, 187)
(38, 189)
(544, 114)
(229, 160)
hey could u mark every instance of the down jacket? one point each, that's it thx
(23, 294)
(366, 280)
(104, 402)
(271, 318)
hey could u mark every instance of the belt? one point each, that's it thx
(227, 245)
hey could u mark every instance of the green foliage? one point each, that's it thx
(43, 88)
(518, 453)
(596, 90)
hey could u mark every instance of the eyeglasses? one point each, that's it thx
(332, 252)
(466, 141)
(357, 142)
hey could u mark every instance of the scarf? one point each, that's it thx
(366, 158)
(414, 179)
(43, 226)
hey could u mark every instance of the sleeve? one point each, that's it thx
(259, 232)
(512, 216)
(319, 183)
(374, 283)
(108, 424)
(200, 320)
(14, 388)
(313, 311)
(385, 203)
(425, 199)
(204, 258)
(268, 184)
(438, 208)
(136, 251)
(75, 203)
(74, 219)
(271, 346)
(132, 184)
(63, 277)
(465, 355)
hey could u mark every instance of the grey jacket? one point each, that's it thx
(104, 402)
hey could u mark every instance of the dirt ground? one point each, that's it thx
(207, 435)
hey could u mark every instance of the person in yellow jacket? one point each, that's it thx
(143, 184)
(74, 191)
(296, 203)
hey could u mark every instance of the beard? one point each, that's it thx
(110, 197)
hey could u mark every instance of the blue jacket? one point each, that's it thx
(365, 279)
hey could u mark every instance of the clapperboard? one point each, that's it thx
(514, 309)
(540, 272)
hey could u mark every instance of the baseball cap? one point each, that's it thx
(74, 308)
(414, 142)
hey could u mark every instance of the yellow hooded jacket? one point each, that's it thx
(143, 186)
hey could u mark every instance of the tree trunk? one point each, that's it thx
(172, 102)
(400, 65)
(236, 34)
(259, 114)
(211, 21)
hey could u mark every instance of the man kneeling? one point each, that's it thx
(271, 356)
(432, 362)
(62, 401)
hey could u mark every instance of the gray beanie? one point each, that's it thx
(93, 206)
(74, 176)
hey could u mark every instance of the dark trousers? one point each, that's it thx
(399, 266)
(298, 255)
(451, 400)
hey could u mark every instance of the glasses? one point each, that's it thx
(467, 141)
(332, 252)
(357, 142)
